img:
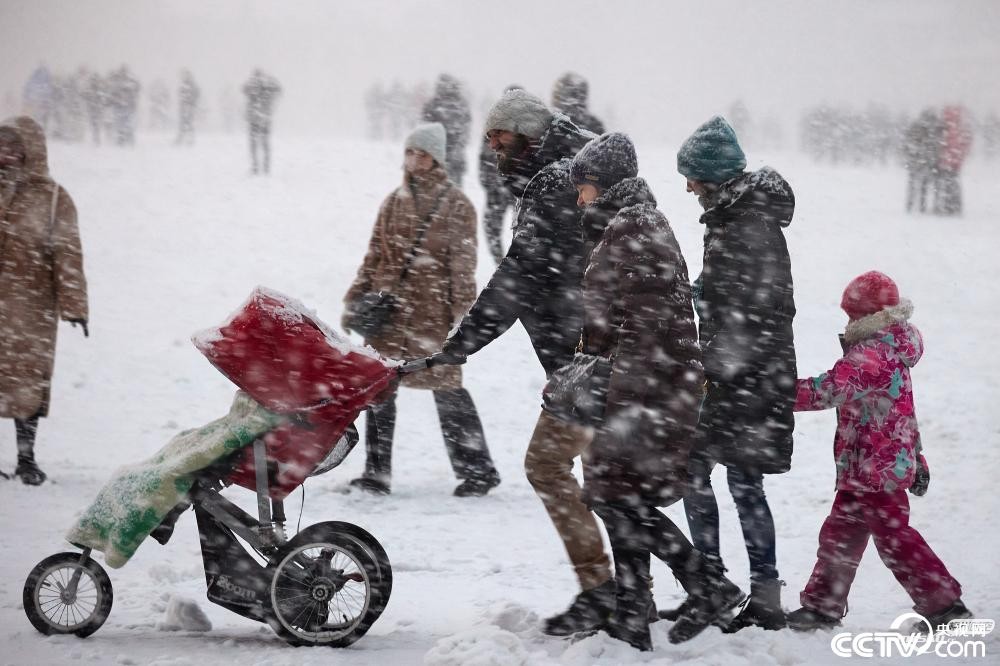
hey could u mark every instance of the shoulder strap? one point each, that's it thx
(421, 232)
(52, 213)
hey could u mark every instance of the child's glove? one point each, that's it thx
(922, 479)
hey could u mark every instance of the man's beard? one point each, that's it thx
(511, 158)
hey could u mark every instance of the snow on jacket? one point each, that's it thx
(877, 443)
(41, 270)
(440, 285)
(637, 299)
(745, 310)
(538, 281)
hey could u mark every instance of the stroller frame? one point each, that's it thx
(239, 581)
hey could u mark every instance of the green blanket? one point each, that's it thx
(138, 496)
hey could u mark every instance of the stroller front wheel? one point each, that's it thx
(64, 596)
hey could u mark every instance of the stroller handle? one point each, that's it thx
(414, 366)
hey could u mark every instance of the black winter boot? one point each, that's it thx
(588, 611)
(162, 532)
(711, 598)
(30, 473)
(807, 619)
(477, 486)
(630, 620)
(27, 469)
(763, 609)
(956, 611)
(380, 423)
(371, 485)
(672, 614)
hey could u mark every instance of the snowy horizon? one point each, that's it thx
(656, 69)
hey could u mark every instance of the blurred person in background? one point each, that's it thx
(261, 92)
(187, 97)
(956, 141)
(921, 150)
(569, 95)
(498, 197)
(449, 107)
(41, 270)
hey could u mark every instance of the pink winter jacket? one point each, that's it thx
(877, 444)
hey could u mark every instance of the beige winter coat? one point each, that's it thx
(41, 277)
(440, 285)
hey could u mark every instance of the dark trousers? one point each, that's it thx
(751, 504)
(497, 203)
(918, 187)
(635, 533)
(260, 140)
(463, 436)
(949, 193)
(26, 431)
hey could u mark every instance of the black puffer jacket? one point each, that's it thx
(538, 281)
(745, 307)
(638, 313)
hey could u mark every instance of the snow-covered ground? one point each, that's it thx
(175, 239)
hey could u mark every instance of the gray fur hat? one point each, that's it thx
(430, 138)
(520, 112)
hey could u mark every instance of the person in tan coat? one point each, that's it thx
(41, 281)
(429, 227)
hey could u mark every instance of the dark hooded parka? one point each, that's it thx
(745, 308)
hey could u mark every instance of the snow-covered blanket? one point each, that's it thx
(138, 496)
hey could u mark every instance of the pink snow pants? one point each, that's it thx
(885, 516)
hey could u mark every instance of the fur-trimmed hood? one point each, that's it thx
(892, 321)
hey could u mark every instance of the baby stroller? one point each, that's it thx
(324, 586)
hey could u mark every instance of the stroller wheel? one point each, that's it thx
(329, 585)
(62, 596)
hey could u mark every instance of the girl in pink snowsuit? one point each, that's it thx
(878, 456)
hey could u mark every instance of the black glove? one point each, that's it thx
(449, 357)
(921, 480)
(81, 322)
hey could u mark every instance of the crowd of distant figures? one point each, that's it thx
(105, 108)
(109, 108)
(932, 147)
(878, 136)
(87, 105)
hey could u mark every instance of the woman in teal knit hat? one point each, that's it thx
(712, 154)
(745, 307)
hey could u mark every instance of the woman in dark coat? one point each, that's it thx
(745, 308)
(637, 302)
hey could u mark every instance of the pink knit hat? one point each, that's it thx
(869, 293)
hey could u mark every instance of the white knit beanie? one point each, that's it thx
(430, 138)
(520, 112)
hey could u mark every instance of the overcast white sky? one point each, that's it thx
(661, 65)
